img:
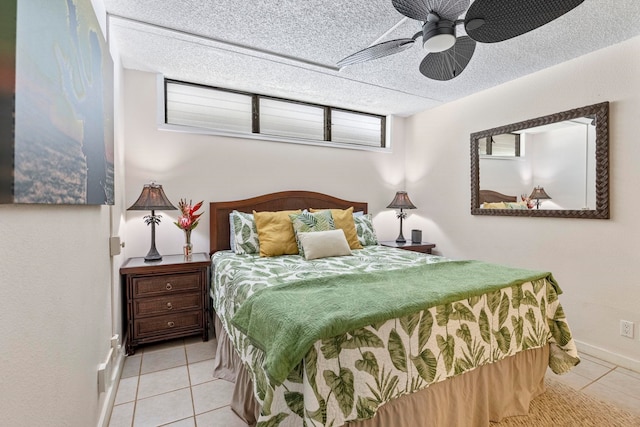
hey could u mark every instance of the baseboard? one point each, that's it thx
(110, 392)
(609, 356)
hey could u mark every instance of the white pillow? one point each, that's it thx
(322, 244)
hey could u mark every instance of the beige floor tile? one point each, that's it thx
(187, 422)
(127, 389)
(163, 359)
(588, 369)
(200, 351)
(131, 366)
(211, 395)
(614, 396)
(628, 372)
(163, 381)
(163, 409)
(220, 417)
(201, 372)
(622, 382)
(573, 380)
(122, 415)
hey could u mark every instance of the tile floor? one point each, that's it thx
(605, 381)
(171, 384)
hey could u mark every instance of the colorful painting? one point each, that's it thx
(61, 146)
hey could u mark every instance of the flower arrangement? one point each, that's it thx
(189, 218)
(527, 200)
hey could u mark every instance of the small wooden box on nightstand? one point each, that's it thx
(165, 299)
(424, 247)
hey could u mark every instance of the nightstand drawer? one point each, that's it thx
(162, 284)
(165, 324)
(167, 304)
(165, 299)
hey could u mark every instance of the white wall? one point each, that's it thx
(596, 262)
(211, 168)
(57, 316)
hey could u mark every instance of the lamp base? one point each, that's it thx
(153, 257)
(401, 238)
(153, 254)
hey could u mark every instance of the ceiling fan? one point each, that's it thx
(486, 21)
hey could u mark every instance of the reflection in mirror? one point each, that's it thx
(559, 157)
(504, 145)
(566, 154)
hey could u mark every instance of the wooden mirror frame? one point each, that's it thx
(601, 113)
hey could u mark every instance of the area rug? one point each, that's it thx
(562, 406)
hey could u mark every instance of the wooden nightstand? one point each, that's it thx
(165, 299)
(424, 247)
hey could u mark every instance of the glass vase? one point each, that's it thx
(187, 249)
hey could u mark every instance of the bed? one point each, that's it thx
(490, 196)
(463, 361)
(490, 199)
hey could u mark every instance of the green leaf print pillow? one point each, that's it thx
(365, 230)
(245, 233)
(306, 222)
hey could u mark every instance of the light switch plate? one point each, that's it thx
(115, 246)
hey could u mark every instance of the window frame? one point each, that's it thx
(163, 83)
(488, 146)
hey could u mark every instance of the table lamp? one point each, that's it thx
(538, 194)
(152, 198)
(401, 201)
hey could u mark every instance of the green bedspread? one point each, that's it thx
(285, 320)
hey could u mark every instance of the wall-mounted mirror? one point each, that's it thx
(552, 166)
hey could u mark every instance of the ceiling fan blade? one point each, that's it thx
(377, 51)
(491, 21)
(450, 63)
(420, 9)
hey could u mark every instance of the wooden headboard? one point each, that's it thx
(490, 196)
(284, 200)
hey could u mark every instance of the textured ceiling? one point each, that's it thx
(289, 48)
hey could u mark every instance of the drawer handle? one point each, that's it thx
(169, 286)
(171, 324)
(169, 306)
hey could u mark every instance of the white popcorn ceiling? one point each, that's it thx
(289, 48)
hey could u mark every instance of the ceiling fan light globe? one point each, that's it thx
(438, 36)
(439, 43)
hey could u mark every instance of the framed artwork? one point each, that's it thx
(56, 104)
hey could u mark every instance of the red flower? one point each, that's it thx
(189, 218)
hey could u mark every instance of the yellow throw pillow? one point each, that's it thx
(495, 205)
(275, 233)
(343, 219)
